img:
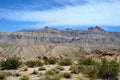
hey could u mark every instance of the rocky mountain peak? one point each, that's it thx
(96, 29)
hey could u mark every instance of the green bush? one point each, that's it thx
(10, 63)
(50, 61)
(33, 63)
(108, 69)
(65, 62)
(86, 61)
(3, 75)
(24, 78)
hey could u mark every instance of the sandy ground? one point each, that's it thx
(37, 77)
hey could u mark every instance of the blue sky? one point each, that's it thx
(77, 14)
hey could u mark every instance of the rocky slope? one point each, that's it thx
(53, 42)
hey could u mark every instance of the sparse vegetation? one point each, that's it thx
(33, 63)
(76, 69)
(86, 61)
(65, 62)
(52, 77)
(50, 61)
(51, 72)
(10, 63)
(108, 69)
(105, 69)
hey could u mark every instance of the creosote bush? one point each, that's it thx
(33, 63)
(50, 61)
(65, 62)
(10, 63)
(86, 61)
(108, 70)
(52, 72)
(76, 69)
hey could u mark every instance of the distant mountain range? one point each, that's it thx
(29, 44)
(93, 37)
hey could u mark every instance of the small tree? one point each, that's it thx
(10, 63)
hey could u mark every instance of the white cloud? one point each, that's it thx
(94, 13)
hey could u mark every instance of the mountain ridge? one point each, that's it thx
(93, 37)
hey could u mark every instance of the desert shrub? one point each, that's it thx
(108, 70)
(24, 78)
(10, 63)
(41, 68)
(33, 63)
(3, 75)
(66, 75)
(59, 68)
(50, 61)
(91, 71)
(86, 61)
(52, 72)
(65, 62)
(52, 77)
(75, 69)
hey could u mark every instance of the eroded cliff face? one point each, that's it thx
(29, 44)
(93, 37)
